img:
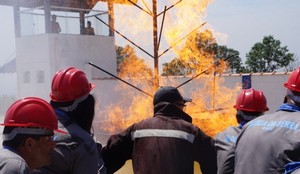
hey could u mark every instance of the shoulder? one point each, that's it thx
(12, 163)
(76, 137)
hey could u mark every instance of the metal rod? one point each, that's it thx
(181, 39)
(124, 37)
(155, 43)
(140, 7)
(145, 4)
(170, 7)
(161, 28)
(215, 64)
(119, 79)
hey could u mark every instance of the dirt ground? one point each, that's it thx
(127, 169)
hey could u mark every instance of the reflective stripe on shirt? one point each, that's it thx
(163, 133)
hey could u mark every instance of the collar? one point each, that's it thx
(242, 123)
(63, 117)
(289, 107)
(170, 110)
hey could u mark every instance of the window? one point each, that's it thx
(26, 77)
(40, 77)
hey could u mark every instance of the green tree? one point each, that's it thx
(232, 57)
(268, 56)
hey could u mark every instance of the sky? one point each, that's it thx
(246, 22)
(241, 23)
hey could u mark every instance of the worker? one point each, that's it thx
(27, 136)
(89, 30)
(167, 143)
(76, 152)
(268, 143)
(55, 27)
(249, 105)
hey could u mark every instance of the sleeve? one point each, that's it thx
(225, 154)
(228, 166)
(58, 27)
(205, 154)
(15, 167)
(117, 150)
(86, 159)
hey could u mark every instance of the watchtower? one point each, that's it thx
(40, 53)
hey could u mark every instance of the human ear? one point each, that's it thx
(29, 144)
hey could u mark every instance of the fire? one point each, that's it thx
(211, 108)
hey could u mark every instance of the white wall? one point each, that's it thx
(40, 56)
(112, 92)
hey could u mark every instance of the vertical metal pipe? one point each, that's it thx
(155, 43)
(81, 22)
(111, 17)
(17, 19)
(47, 11)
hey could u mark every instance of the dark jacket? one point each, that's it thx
(75, 152)
(167, 143)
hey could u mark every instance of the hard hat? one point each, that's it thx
(293, 82)
(31, 115)
(69, 85)
(168, 94)
(251, 100)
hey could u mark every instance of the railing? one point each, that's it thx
(33, 20)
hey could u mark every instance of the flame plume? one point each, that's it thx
(211, 108)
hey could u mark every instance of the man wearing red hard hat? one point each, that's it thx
(27, 136)
(269, 142)
(76, 152)
(250, 104)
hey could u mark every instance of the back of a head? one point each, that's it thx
(54, 17)
(293, 82)
(30, 116)
(250, 104)
(89, 23)
(168, 94)
(293, 86)
(251, 100)
(70, 84)
(70, 92)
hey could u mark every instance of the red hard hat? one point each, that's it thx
(293, 82)
(31, 112)
(251, 100)
(69, 85)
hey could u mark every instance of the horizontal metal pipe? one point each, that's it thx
(215, 64)
(125, 37)
(119, 79)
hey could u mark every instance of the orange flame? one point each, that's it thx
(211, 108)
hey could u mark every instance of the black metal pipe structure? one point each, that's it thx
(155, 43)
(161, 27)
(169, 7)
(148, 12)
(124, 37)
(181, 39)
(204, 71)
(90, 63)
